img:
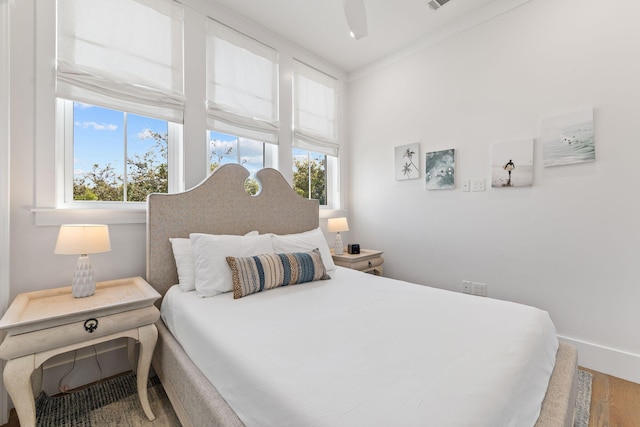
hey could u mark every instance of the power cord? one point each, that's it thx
(65, 388)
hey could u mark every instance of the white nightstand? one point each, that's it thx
(42, 324)
(367, 260)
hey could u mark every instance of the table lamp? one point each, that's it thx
(336, 225)
(83, 239)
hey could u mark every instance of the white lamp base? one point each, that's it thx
(338, 247)
(83, 284)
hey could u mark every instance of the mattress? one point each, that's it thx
(364, 350)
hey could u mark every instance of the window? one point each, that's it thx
(117, 156)
(224, 149)
(310, 175)
(315, 112)
(120, 98)
(242, 84)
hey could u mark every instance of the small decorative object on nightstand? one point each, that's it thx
(83, 239)
(367, 260)
(336, 225)
(43, 324)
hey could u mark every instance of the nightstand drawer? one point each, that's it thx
(59, 336)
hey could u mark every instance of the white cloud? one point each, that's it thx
(83, 106)
(146, 133)
(96, 126)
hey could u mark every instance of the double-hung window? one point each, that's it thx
(242, 100)
(315, 134)
(120, 98)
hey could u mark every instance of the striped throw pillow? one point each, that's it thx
(262, 272)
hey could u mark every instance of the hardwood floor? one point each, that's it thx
(614, 403)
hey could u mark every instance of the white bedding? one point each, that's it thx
(362, 350)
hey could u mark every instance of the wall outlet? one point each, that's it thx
(479, 289)
(466, 286)
(477, 184)
(466, 185)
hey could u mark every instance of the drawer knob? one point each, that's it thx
(369, 264)
(91, 325)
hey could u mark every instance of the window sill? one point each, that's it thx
(59, 216)
(53, 216)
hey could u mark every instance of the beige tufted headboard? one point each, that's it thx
(220, 205)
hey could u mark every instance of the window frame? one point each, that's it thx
(65, 122)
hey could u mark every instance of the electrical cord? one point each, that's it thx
(64, 388)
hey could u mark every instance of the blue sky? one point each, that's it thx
(99, 138)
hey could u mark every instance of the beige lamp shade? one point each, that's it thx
(336, 225)
(77, 239)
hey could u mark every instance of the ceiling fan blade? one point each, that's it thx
(356, 15)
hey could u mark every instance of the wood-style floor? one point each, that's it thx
(614, 403)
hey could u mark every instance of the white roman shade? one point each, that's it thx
(315, 108)
(123, 54)
(242, 84)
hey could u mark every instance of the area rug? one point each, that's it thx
(115, 403)
(583, 400)
(110, 403)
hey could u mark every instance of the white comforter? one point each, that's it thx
(360, 350)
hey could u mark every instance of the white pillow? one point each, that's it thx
(304, 242)
(183, 256)
(210, 252)
(184, 263)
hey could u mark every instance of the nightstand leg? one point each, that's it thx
(147, 336)
(17, 380)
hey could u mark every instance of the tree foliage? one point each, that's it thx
(310, 178)
(147, 173)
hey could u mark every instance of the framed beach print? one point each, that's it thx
(407, 161)
(440, 170)
(512, 164)
(568, 138)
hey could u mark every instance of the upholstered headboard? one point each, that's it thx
(220, 205)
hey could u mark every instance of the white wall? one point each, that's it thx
(570, 243)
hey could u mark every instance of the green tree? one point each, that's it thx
(310, 178)
(146, 174)
(101, 183)
(218, 153)
(251, 186)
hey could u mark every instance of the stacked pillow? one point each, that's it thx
(202, 264)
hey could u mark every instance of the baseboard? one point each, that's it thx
(607, 360)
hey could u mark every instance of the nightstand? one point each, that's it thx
(42, 324)
(367, 260)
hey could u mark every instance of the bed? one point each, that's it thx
(437, 374)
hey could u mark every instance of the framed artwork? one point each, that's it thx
(440, 170)
(568, 139)
(407, 161)
(512, 164)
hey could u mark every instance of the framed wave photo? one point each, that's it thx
(440, 170)
(407, 161)
(568, 138)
